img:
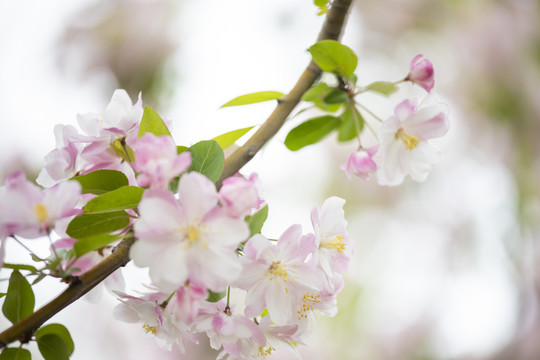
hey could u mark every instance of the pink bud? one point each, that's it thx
(360, 163)
(421, 72)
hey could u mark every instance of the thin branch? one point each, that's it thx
(331, 30)
(24, 329)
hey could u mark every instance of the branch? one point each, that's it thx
(24, 329)
(331, 30)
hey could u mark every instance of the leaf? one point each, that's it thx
(336, 97)
(59, 330)
(207, 158)
(15, 354)
(332, 56)
(310, 132)
(229, 138)
(91, 243)
(180, 149)
(348, 130)
(53, 347)
(214, 296)
(101, 181)
(322, 5)
(126, 197)
(152, 123)
(256, 221)
(382, 87)
(39, 278)
(86, 225)
(317, 95)
(253, 98)
(123, 150)
(20, 298)
(20, 267)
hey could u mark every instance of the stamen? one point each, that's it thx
(410, 141)
(308, 304)
(335, 243)
(149, 329)
(41, 212)
(277, 270)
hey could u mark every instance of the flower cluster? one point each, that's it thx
(199, 242)
(404, 147)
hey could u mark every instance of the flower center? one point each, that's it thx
(193, 234)
(308, 304)
(41, 212)
(265, 351)
(410, 141)
(149, 329)
(335, 243)
(277, 270)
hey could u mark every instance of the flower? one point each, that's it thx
(277, 275)
(421, 72)
(239, 195)
(334, 246)
(405, 149)
(360, 163)
(157, 160)
(187, 239)
(31, 212)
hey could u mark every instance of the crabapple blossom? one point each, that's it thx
(31, 212)
(335, 248)
(239, 196)
(157, 161)
(405, 149)
(421, 72)
(360, 163)
(159, 315)
(240, 337)
(277, 275)
(189, 238)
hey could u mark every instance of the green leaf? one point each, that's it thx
(215, 297)
(322, 5)
(229, 138)
(317, 95)
(15, 354)
(2, 295)
(152, 123)
(123, 150)
(256, 221)
(348, 130)
(101, 181)
(382, 87)
(336, 97)
(207, 158)
(53, 347)
(20, 267)
(126, 197)
(332, 56)
(91, 243)
(39, 278)
(86, 225)
(20, 298)
(59, 330)
(180, 149)
(310, 132)
(253, 98)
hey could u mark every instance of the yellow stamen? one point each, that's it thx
(335, 243)
(193, 234)
(41, 212)
(308, 304)
(264, 351)
(277, 270)
(149, 329)
(410, 141)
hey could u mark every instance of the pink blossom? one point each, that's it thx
(360, 163)
(405, 149)
(31, 212)
(159, 317)
(335, 248)
(157, 160)
(189, 238)
(421, 72)
(239, 195)
(240, 337)
(277, 275)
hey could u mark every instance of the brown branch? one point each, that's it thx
(331, 30)
(24, 329)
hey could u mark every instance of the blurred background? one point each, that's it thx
(447, 269)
